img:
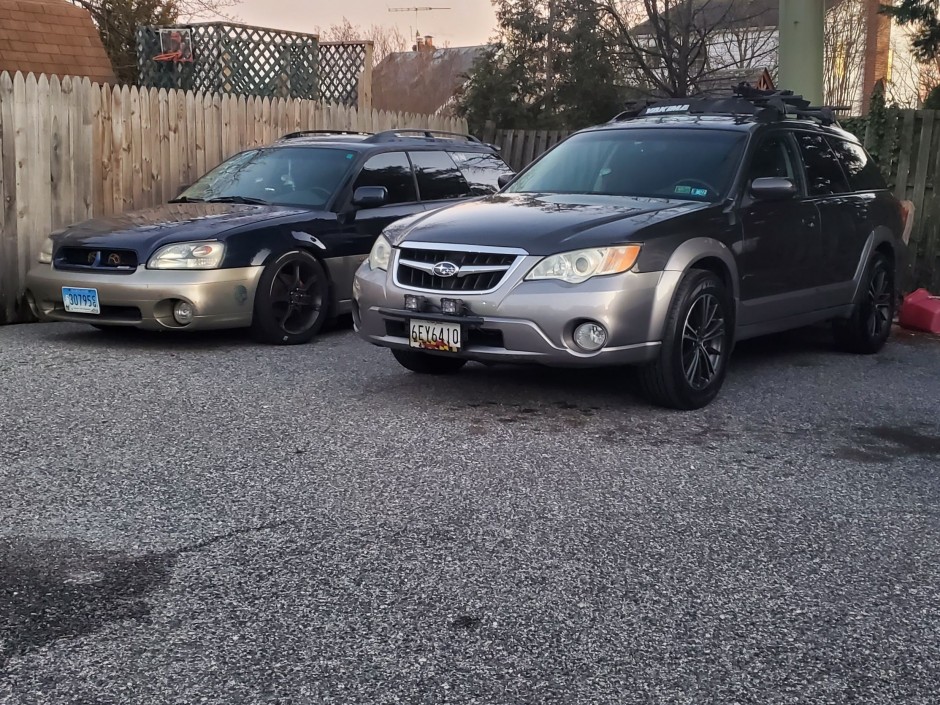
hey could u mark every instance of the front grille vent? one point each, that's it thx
(472, 271)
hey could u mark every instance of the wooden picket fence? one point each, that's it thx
(72, 150)
(519, 147)
(906, 144)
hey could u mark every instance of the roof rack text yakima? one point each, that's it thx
(392, 135)
(744, 101)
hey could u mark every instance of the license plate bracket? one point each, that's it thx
(80, 300)
(435, 335)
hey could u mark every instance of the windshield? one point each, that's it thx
(681, 163)
(305, 176)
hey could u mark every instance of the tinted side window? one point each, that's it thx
(773, 158)
(438, 176)
(861, 169)
(823, 173)
(393, 171)
(481, 170)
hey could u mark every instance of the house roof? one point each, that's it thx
(421, 81)
(52, 37)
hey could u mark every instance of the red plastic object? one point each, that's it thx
(921, 311)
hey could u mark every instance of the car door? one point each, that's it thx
(865, 184)
(440, 182)
(357, 228)
(780, 247)
(841, 218)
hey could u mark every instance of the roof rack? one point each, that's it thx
(744, 101)
(307, 133)
(393, 135)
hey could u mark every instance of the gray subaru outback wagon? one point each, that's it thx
(656, 240)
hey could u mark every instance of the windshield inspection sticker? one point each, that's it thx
(700, 192)
(683, 189)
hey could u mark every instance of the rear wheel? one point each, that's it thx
(292, 300)
(696, 345)
(427, 364)
(868, 328)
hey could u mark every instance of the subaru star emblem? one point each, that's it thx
(445, 269)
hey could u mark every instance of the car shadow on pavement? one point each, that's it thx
(133, 338)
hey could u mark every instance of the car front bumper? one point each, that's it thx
(528, 321)
(221, 298)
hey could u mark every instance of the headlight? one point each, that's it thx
(188, 255)
(381, 253)
(580, 265)
(45, 254)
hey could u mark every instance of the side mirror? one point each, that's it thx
(370, 196)
(504, 179)
(773, 188)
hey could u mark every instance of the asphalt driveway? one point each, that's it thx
(205, 520)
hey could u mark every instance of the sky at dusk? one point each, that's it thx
(468, 22)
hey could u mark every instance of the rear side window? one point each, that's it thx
(438, 176)
(481, 170)
(393, 171)
(824, 175)
(861, 169)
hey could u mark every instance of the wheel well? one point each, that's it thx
(886, 249)
(717, 267)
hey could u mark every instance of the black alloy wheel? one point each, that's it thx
(869, 327)
(292, 300)
(697, 338)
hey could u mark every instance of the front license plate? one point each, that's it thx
(429, 335)
(80, 300)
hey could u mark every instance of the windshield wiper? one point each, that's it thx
(238, 199)
(186, 199)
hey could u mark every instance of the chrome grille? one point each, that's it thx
(476, 271)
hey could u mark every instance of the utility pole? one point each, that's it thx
(801, 47)
(550, 50)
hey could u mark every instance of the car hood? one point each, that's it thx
(542, 224)
(144, 230)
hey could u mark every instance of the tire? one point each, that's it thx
(697, 343)
(292, 300)
(868, 328)
(427, 364)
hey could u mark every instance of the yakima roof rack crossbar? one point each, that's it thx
(308, 133)
(392, 135)
(745, 101)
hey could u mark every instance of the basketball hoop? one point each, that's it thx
(169, 56)
(176, 45)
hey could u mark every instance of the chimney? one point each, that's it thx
(429, 42)
(419, 43)
(877, 49)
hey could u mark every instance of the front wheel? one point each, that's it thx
(696, 345)
(868, 328)
(292, 300)
(426, 364)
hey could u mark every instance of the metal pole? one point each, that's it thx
(801, 47)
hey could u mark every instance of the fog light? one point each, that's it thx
(413, 303)
(183, 313)
(590, 336)
(452, 307)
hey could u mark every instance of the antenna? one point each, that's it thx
(416, 10)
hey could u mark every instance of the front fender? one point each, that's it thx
(684, 258)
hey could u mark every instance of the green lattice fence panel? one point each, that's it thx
(235, 59)
(340, 66)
